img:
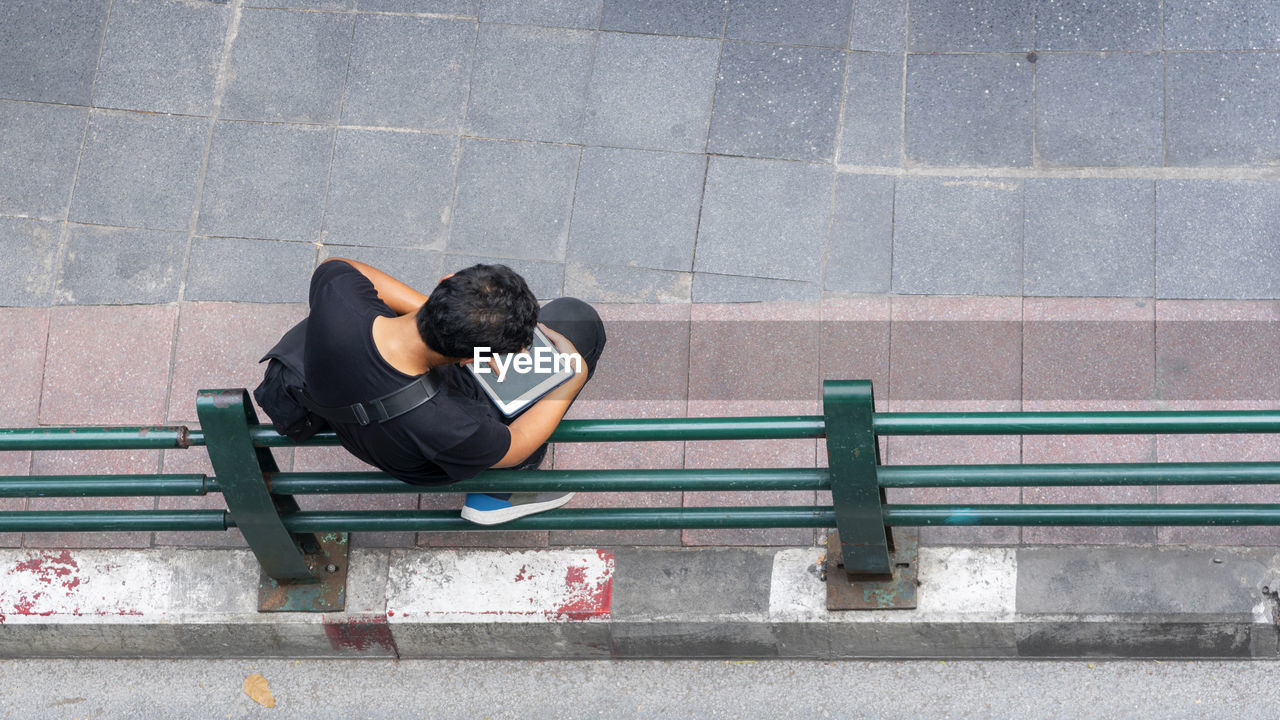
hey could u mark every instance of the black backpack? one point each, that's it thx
(283, 384)
(282, 394)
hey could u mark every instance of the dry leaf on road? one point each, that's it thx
(255, 686)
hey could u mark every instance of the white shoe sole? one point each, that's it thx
(497, 517)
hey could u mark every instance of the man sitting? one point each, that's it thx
(369, 335)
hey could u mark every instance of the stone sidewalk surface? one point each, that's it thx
(142, 365)
(709, 150)
(1008, 205)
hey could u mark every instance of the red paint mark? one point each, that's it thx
(360, 634)
(27, 606)
(391, 613)
(49, 568)
(587, 599)
(521, 576)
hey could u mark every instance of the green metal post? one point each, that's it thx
(853, 455)
(225, 417)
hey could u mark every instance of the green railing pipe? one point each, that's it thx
(655, 518)
(93, 438)
(629, 430)
(572, 519)
(16, 486)
(923, 423)
(1037, 515)
(315, 483)
(113, 520)
(1079, 475)
(1078, 423)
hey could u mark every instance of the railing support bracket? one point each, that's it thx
(325, 591)
(847, 591)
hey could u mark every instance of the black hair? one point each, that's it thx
(481, 306)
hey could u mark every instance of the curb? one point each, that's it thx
(1035, 602)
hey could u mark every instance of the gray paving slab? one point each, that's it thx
(1223, 25)
(417, 268)
(957, 236)
(764, 218)
(777, 101)
(409, 72)
(38, 149)
(637, 208)
(29, 259)
(1084, 25)
(265, 181)
(1222, 109)
(252, 271)
(800, 22)
(530, 83)
(860, 246)
(49, 49)
(1174, 583)
(513, 200)
(651, 92)
(161, 56)
(617, 284)
(987, 117)
(139, 170)
(550, 13)
(666, 584)
(1103, 109)
(696, 18)
(871, 131)
(994, 26)
(445, 7)
(1089, 238)
(287, 66)
(120, 266)
(1217, 239)
(390, 189)
(879, 26)
(716, 288)
(302, 4)
(545, 279)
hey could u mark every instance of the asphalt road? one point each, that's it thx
(144, 689)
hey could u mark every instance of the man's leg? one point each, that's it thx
(581, 324)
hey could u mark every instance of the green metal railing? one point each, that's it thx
(260, 499)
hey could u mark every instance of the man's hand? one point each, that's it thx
(564, 346)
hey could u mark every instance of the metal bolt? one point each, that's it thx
(1217, 561)
(331, 568)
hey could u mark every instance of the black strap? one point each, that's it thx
(380, 410)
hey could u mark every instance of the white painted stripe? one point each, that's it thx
(499, 586)
(123, 586)
(961, 585)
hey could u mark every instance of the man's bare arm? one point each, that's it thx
(534, 427)
(399, 297)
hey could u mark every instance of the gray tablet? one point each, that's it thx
(514, 381)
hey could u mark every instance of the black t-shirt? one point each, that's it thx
(453, 436)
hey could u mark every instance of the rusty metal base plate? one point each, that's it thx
(326, 593)
(897, 593)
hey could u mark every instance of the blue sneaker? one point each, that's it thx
(494, 508)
